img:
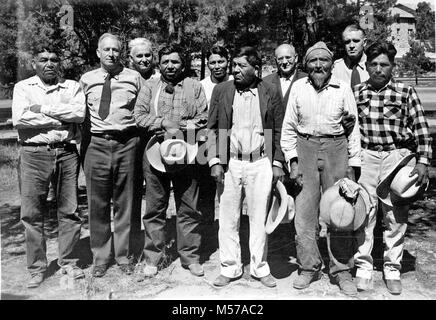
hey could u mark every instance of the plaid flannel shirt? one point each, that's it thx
(393, 116)
(189, 112)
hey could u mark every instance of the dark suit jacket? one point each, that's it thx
(221, 116)
(275, 80)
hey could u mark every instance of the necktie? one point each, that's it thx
(105, 101)
(355, 77)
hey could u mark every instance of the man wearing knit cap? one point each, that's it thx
(318, 154)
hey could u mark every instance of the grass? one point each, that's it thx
(8, 166)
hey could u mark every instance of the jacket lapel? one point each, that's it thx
(228, 102)
(263, 102)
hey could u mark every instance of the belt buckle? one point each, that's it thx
(379, 148)
(107, 136)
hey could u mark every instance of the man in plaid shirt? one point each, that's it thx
(392, 125)
(171, 104)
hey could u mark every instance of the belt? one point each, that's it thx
(323, 136)
(251, 157)
(116, 134)
(55, 145)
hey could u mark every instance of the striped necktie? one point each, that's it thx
(105, 101)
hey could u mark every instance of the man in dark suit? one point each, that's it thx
(244, 153)
(287, 72)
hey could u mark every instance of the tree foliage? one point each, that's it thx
(194, 24)
(425, 21)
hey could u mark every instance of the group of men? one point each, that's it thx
(344, 118)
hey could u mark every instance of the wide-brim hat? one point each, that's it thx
(159, 159)
(282, 208)
(341, 214)
(397, 187)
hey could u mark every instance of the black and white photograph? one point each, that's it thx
(230, 151)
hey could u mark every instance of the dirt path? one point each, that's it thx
(174, 282)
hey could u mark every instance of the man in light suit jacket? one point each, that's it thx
(244, 153)
(287, 72)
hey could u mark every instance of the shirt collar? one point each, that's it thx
(392, 85)
(36, 80)
(178, 84)
(105, 73)
(361, 62)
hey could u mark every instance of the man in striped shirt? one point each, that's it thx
(319, 153)
(392, 125)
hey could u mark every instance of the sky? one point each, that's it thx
(413, 3)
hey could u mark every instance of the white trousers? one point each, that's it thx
(375, 166)
(255, 178)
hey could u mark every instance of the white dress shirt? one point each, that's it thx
(62, 109)
(319, 113)
(342, 72)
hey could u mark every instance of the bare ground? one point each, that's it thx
(174, 283)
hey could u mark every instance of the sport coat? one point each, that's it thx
(274, 79)
(221, 117)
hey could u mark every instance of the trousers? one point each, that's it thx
(188, 219)
(252, 179)
(109, 167)
(322, 161)
(40, 165)
(375, 166)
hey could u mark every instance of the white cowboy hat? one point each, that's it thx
(170, 155)
(345, 211)
(282, 208)
(398, 187)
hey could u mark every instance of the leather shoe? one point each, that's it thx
(99, 271)
(196, 269)
(305, 278)
(35, 280)
(345, 283)
(268, 281)
(221, 281)
(73, 272)
(394, 286)
(127, 268)
(363, 284)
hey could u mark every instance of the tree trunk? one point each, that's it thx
(171, 28)
(203, 64)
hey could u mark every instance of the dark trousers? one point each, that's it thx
(188, 221)
(40, 165)
(322, 162)
(110, 174)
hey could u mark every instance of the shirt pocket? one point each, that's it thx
(363, 106)
(392, 109)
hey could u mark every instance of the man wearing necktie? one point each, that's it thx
(109, 160)
(351, 68)
(287, 71)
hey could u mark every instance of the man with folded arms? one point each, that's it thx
(392, 124)
(46, 110)
(245, 118)
(109, 163)
(318, 154)
(172, 105)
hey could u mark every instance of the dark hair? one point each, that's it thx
(378, 48)
(219, 50)
(252, 55)
(42, 47)
(172, 48)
